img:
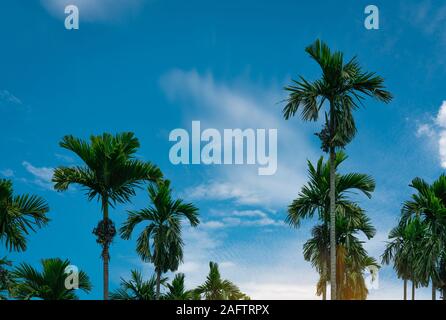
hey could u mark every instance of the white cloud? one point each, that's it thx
(285, 275)
(425, 130)
(241, 218)
(441, 116)
(8, 173)
(242, 105)
(64, 158)
(95, 10)
(223, 191)
(42, 175)
(435, 131)
(8, 97)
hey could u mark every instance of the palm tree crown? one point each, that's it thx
(136, 288)
(160, 242)
(216, 288)
(19, 215)
(48, 284)
(343, 85)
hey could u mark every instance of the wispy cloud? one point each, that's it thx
(435, 130)
(241, 218)
(241, 104)
(95, 10)
(42, 175)
(8, 97)
(8, 173)
(64, 158)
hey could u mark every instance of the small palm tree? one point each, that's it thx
(136, 288)
(177, 289)
(160, 242)
(19, 215)
(343, 86)
(48, 284)
(403, 250)
(216, 288)
(429, 205)
(111, 173)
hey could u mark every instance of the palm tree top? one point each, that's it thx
(48, 284)
(136, 288)
(19, 215)
(339, 80)
(111, 169)
(216, 288)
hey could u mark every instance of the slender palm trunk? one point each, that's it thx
(158, 284)
(332, 225)
(413, 290)
(434, 291)
(405, 289)
(324, 289)
(443, 294)
(105, 253)
(332, 207)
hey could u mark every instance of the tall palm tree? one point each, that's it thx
(429, 205)
(216, 288)
(177, 289)
(343, 86)
(48, 284)
(19, 215)
(110, 173)
(160, 242)
(136, 288)
(314, 199)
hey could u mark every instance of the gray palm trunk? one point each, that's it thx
(332, 225)
(105, 252)
(405, 289)
(413, 290)
(324, 292)
(332, 207)
(434, 291)
(158, 284)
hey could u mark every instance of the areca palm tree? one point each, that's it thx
(19, 215)
(314, 199)
(402, 250)
(352, 259)
(48, 284)
(216, 288)
(177, 289)
(110, 174)
(160, 242)
(343, 87)
(429, 205)
(136, 288)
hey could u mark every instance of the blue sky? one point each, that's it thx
(153, 66)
